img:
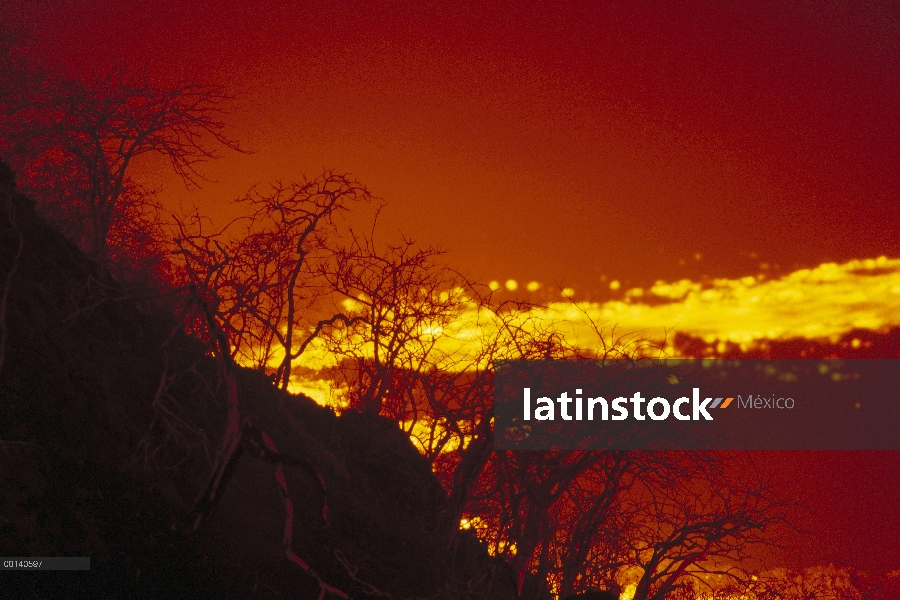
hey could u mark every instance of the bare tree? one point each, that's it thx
(404, 304)
(698, 514)
(570, 521)
(565, 521)
(573, 521)
(73, 140)
(267, 287)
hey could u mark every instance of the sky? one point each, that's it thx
(566, 143)
(716, 154)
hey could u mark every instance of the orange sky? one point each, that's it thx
(570, 143)
(556, 142)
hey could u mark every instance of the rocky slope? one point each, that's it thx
(110, 416)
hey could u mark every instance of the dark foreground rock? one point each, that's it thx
(110, 415)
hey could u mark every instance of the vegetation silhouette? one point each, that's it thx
(111, 418)
(73, 141)
(150, 436)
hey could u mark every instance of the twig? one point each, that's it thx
(287, 538)
(370, 589)
(231, 438)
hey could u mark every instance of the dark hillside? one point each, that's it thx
(110, 416)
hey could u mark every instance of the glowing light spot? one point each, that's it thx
(698, 256)
(512, 285)
(856, 343)
(350, 304)
(494, 285)
(614, 284)
(533, 286)
(567, 292)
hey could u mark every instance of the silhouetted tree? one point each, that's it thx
(205, 259)
(266, 287)
(564, 520)
(396, 322)
(700, 514)
(403, 302)
(73, 141)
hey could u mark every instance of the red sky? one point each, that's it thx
(552, 141)
(853, 500)
(563, 142)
